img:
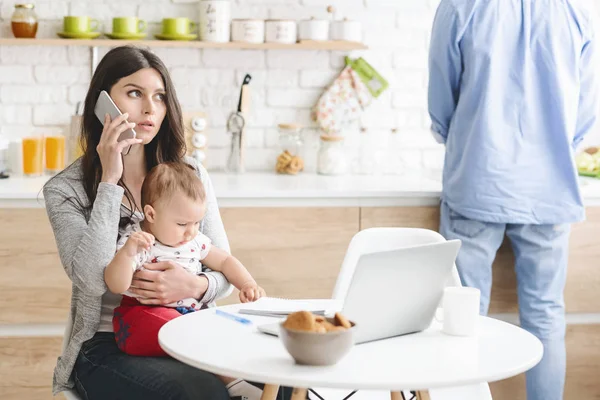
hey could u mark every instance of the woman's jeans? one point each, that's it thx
(541, 257)
(102, 371)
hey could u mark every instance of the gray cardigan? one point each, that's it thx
(87, 243)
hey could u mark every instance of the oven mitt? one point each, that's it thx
(369, 75)
(342, 102)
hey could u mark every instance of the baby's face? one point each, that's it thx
(177, 221)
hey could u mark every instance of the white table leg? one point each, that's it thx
(269, 392)
(299, 394)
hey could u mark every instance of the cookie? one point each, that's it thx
(340, 320)
(307, 321)
(329, 327)
(301, 321)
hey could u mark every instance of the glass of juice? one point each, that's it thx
(33, 155)
(55, 153)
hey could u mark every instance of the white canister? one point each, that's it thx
(248, 30)
(281, 31)
(3, 154)
(346, 30)
(331, 158)
(215, 20)
(313, 29)
(15, 156)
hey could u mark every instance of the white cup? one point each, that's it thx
(461, 311)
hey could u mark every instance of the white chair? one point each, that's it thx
(71, 394)
(385, 239)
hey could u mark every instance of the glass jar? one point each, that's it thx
(24, 22)
(290, 160)
(332, 159)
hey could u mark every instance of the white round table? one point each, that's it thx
(420, 361)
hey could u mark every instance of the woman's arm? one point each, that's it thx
(84, 247)
(212, 226)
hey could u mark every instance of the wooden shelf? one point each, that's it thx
(304, 45)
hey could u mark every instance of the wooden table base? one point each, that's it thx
(270, 393)
(299, 394)
(421, 395)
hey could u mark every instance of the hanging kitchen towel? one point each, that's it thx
(342, 102)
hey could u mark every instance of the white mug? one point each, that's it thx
(461, 311)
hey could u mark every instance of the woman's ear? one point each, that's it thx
(149, 213)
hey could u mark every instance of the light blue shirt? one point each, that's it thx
(513, 89)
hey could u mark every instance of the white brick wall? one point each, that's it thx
(40, 86)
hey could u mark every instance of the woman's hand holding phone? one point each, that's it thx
(109, 149)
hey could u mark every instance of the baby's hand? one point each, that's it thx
(137, 242)
(251, 292)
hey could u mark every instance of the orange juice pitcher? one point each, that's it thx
(33, 155)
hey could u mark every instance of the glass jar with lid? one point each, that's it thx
(291, 141)
(332, 158)
(24, 21)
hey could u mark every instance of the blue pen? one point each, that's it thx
(233, 317)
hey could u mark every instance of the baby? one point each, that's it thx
(173, 202)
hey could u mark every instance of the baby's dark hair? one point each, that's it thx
(169, 178)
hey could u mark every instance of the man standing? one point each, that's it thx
(513, 89)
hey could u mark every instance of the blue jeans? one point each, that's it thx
(541, 257)
(102, 371)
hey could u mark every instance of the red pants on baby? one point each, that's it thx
(136, 327)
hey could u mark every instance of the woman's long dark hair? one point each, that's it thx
(169, 143)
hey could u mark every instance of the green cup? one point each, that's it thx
(79, 24)
(128, 25)
(177, 26)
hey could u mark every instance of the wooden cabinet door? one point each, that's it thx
(291, 252)
(33, 283)
(27, 366)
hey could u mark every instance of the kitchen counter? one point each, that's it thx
(265, 189)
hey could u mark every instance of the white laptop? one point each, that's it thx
(395, 292)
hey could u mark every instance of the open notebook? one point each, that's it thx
(276, 307)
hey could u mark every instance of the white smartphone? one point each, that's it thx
(105, 105)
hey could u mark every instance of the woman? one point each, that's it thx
(88, 203)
